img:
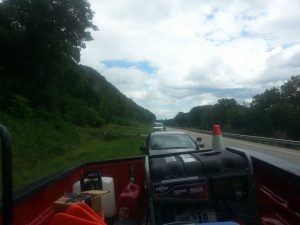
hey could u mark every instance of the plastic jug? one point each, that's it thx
(108, 200)
(128, 200)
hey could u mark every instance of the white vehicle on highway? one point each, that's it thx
(158, 127)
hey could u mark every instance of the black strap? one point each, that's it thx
(7, 192)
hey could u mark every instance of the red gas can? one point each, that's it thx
(128, 202)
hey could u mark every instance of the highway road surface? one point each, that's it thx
(290, 155)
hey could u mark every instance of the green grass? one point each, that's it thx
(42, 148)
(108, 142)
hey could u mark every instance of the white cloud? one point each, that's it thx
(202, 50)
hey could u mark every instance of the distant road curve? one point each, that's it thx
(287, 154)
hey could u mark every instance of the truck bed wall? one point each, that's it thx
(33, 205)
(278, 191)
(277, 185)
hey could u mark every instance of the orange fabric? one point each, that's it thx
(90, 210)
(76, 210)
(78, 214)
(66, 219)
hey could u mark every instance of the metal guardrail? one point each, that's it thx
(264, 139)
(283, 142)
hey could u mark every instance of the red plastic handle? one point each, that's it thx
(133, 187)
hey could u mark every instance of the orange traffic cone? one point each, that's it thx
(217, 139)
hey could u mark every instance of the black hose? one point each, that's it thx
(7, 191)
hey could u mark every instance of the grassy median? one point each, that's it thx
(40, 149)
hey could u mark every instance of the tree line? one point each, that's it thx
(273, 113)
(40, 43)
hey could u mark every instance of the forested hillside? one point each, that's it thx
(274, 113)
(57, 110)
(40, 44)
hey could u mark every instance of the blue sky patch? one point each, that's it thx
(288, 45)
(139, 65)
(245, 33)
(210, 17)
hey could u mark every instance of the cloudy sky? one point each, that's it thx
(171, 55)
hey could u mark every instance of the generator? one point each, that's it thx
(200, 187)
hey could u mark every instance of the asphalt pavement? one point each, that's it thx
(290, 155)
